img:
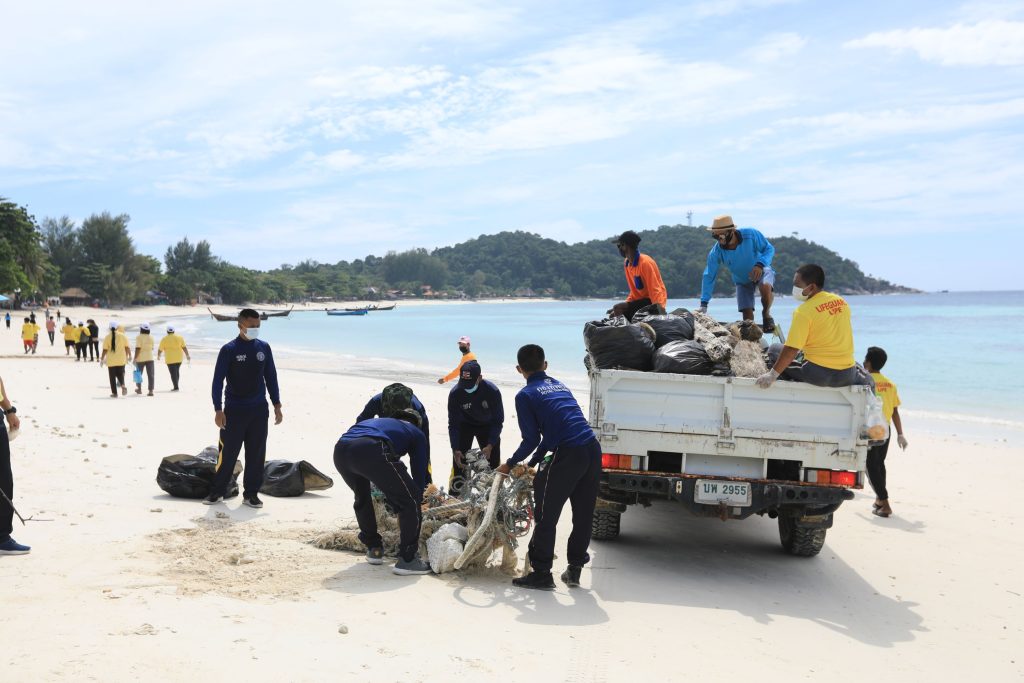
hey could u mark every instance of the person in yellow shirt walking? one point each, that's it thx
(885, 388)
(70, 333)
(144, 358)
(822, 329)
(82, 342)
(173, 345)
(467, 356)
(116, 354)
(29, 330)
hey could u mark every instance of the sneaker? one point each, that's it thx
(12, 547)
(375, 555)
(212, 499)
(571, 576)
(411, 567)
(252, 501)
(539, 580)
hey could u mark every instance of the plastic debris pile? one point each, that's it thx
(492, 512)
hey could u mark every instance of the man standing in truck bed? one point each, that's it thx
(748, 256)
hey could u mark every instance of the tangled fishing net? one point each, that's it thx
(492, 513)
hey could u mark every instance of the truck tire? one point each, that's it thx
(606, 525)
(800, 541)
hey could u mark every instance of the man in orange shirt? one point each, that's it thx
(642, 275)
(467, 356)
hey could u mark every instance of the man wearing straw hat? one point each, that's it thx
(748, 256)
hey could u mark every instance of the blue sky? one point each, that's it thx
(892, 132)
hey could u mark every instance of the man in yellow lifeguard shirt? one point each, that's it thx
(144, 356)
(885, 388)
(70, 333)
(116, 354)
(822, 329)
(467, 356)
(173, 345)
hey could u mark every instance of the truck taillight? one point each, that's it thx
(617, 462)
(833, 477)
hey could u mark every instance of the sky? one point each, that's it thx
(891, 132)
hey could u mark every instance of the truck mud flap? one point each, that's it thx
(812, 506)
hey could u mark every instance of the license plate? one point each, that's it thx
(715, 491)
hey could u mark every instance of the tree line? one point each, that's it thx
(100, 257)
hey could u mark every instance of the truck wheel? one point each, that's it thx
(800, 541)
(606, 525)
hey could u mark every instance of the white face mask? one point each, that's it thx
(251, 332)
(798, 294)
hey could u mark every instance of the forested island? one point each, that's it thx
(98, 259)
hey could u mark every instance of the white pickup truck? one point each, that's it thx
(725, 448)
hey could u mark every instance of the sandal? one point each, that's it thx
(768, 324)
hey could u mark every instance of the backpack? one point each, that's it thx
(394, 398)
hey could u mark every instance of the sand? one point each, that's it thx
(126, 583)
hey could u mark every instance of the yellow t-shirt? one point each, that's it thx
(28, 332)
(886, 390)
(70, 333)
(144, 343)
(171, 346)
(821, 327)
(119, 356)
(455, 373)
(35, 329)
(83, 335)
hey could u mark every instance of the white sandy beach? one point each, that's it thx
(126, 583)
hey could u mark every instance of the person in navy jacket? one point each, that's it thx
(474, 412)
(375, 408)
(551, 422)
(369, 453)
(247, 366)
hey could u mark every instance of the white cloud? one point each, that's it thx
(721, 8)
(986, 43)
(776, 47)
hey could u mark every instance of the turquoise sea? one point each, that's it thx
(957, 358)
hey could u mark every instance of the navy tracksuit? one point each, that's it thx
(479, 415)
(551, 421)
(369, 453)
(374, 408)
(247, 366)
(7, 484)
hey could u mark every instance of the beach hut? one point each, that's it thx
(74, 296)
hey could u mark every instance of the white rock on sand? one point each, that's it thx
(933, 593)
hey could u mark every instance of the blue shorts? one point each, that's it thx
(745, 292)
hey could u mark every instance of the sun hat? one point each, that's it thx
(170, 328)
(144, 326)
(464, 339)
(723, 222)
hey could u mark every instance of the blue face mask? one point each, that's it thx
(251, 333)
(470, 391)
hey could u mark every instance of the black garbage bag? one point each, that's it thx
(283, 479)
(190, 476)
(670, 328)
(642, 314)
(614, 344)
(683, 358)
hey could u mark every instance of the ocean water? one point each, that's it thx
(957, 358)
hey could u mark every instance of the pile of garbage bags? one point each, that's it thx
(681, 342)
(190, 476)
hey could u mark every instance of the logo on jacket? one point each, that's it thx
(260, 356)
(240, 358)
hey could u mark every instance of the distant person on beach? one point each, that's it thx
(8, 546)
(81, 342)
(173, 345)
(552, 422)
(748, 256)
(467, 356)
(7, 319)
(475, 411)
(822, 329)
(246, 364)
(370, 453)
(51, 329)
(116, 354)
(642, 277)
(389, 402)
(885, 388)
(28, 335)
(94, 340)
(143, 358)
(70, 333)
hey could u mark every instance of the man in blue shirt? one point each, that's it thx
(247, 365)
(475, 411)
(369, 453)
(551, 421)
(748, 256)
(394, 398)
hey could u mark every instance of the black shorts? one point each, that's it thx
(69, 344)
